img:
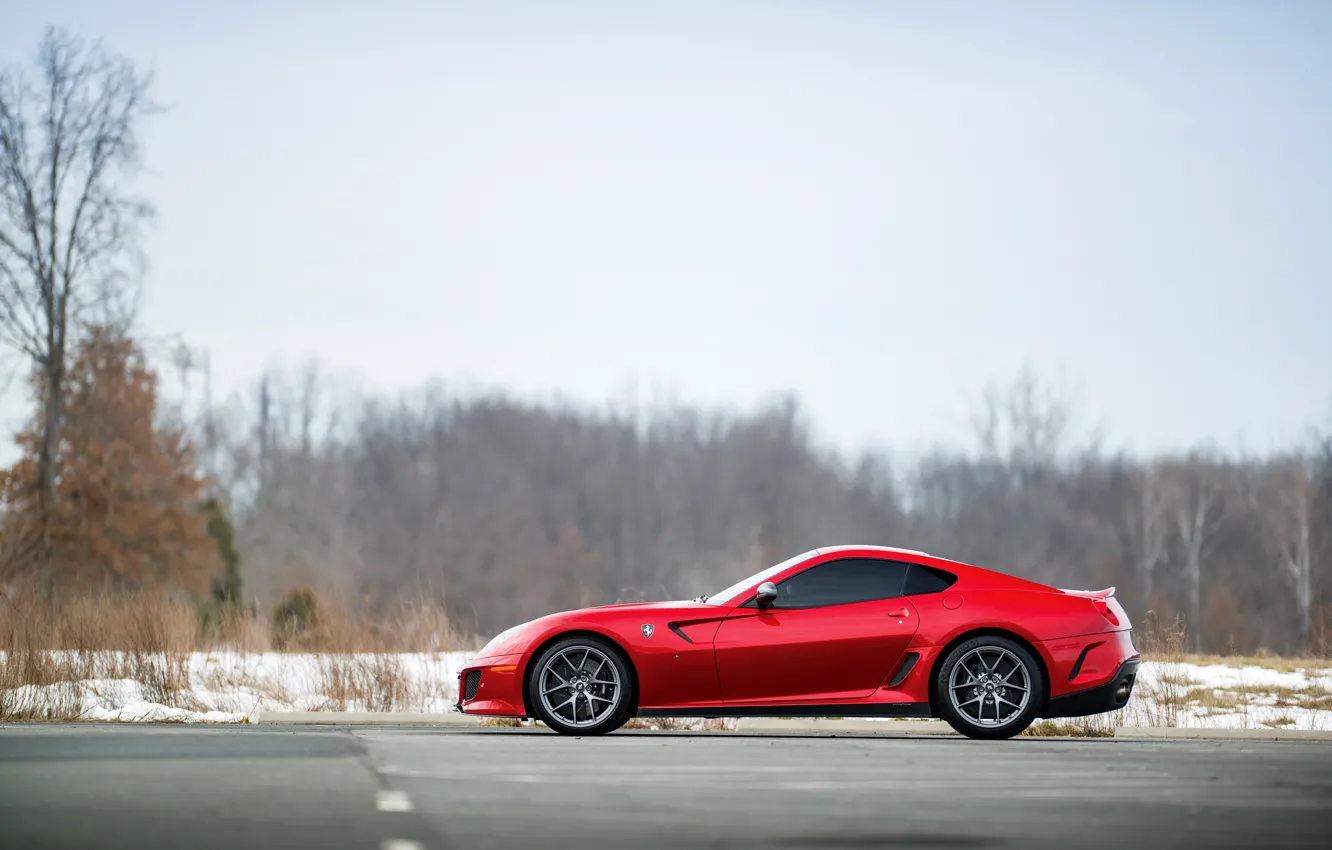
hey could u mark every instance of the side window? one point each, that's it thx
(921, 580)
(841, 582)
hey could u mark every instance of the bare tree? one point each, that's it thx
(1026, 422)
(1145, 525)
(1284, 501)
(67, 228)
(1195, 494)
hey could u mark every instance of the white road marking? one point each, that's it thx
(400, 844)
(393, 801)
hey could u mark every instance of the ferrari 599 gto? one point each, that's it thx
(845, 631)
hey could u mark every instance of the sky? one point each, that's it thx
(880, 207)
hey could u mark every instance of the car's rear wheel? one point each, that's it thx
(989, 687)
(581, 686)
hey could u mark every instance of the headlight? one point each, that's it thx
(499, 639)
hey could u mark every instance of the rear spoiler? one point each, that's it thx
(1090, 594)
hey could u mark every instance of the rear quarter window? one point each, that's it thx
(921, 580)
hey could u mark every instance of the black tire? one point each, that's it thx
(581, 661)
(981, 688)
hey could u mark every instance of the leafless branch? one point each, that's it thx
(68, 230)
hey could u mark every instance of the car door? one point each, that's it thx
(835, 631)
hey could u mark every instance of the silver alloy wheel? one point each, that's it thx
(989, 686)
(580, 685)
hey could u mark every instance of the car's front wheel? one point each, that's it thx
(581, 686)
(989, 687)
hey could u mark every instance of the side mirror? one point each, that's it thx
(767, 593)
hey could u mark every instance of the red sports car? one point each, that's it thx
(845, 631)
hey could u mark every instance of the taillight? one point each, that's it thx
(1104, 610)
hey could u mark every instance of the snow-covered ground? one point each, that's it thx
(1221, 695)
(232, 687)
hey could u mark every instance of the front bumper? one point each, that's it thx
(498, 689)
(1112, 695)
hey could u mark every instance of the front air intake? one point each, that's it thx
(471, 684)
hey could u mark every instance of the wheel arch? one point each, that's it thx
(570, 633)
(993, 631)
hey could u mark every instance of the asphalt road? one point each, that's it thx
(148, 787)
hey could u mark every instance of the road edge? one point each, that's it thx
(818, 725)
(1178, 733)
(792, 725)
(362, 718)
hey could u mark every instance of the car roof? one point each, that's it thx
(963, 570)
(888, 550)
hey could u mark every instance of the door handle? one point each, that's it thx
(899, 612)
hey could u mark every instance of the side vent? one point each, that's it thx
(1082, 656)
(904, 669)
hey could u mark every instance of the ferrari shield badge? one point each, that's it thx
(648, 629)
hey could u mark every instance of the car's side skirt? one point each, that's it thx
(887, 709)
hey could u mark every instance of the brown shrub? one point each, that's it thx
(297, 620)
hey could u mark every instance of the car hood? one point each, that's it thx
(671, 606)
(523, 637)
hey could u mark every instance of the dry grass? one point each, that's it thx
(1212, 698)
(51, 649)
(1176, 680)
(1269, 662)
(1077, 727)
(1238, 699)
(503, 722)
(1314, 697)
(682, 724)
(374, 682)
(145, 637)
(669, 724)
(1158, 700)
(273, 688)
(337, 626)
(240, 631)
(1281, 692)
(358, 664)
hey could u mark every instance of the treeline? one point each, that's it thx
(499, 510)
(507, 509)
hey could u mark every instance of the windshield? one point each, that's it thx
(725, 596)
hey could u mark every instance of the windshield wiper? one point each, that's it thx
(703, 597)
